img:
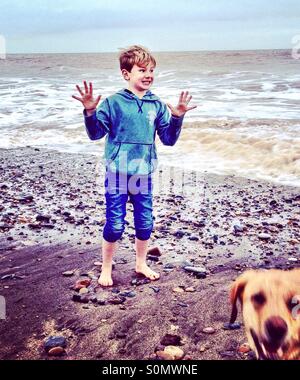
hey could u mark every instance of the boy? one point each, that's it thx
(130, 120)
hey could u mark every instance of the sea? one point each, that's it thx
(247, 120)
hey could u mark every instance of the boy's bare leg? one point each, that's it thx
(108, 250)
(141, 264)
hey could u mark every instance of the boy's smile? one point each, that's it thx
(139, 78)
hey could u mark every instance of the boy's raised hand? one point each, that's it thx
(87, 98)
(182, 106)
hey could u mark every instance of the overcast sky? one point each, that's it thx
(33, 26)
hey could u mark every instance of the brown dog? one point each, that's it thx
(270, 301)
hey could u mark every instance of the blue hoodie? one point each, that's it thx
(130, 125)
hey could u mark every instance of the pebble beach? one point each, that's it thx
(52, 215)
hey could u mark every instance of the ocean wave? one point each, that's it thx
(250, 149)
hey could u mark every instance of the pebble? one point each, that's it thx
(54, 342)
(228, 354)
(154, 252)
(244, 348)
(182, 304)
(273, 203)
(193, 238)
(264, 236)
(152, 258)
(68, 273)
(190, 289)
(83, 291)
(80, 298)
(197, 270)
(200, 272)
(121, 335)
(232, 326)
(82, 284)
(238, 228)
(171, 340)
(24, 198)
(170, 353)
(209, 330)
(156, 289)
(129, 294)
(178, 290)
(179, 234)
(116, 300)
(43, 218)
(56, 351)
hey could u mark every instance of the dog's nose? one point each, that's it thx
(276, 328)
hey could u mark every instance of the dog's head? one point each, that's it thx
(270, 303)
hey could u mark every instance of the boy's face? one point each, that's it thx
(140, 78)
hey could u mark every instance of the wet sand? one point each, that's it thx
(52, 213)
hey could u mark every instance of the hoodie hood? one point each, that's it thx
(149, 96)
(129, 95)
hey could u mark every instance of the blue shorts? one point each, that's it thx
(118, 189)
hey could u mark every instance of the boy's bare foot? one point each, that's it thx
(147, 272)
(105, 279)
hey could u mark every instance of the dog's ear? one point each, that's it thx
(236, 293)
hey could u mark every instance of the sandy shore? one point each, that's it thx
(52, 213)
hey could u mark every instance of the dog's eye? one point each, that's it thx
(293, 304)
(259, 299)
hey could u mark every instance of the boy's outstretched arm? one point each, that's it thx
(97, 125)
(168, 129)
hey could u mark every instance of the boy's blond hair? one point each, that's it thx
(135, 55)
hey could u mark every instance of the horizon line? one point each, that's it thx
(153, 51)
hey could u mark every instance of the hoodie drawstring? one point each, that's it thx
(140, 105)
